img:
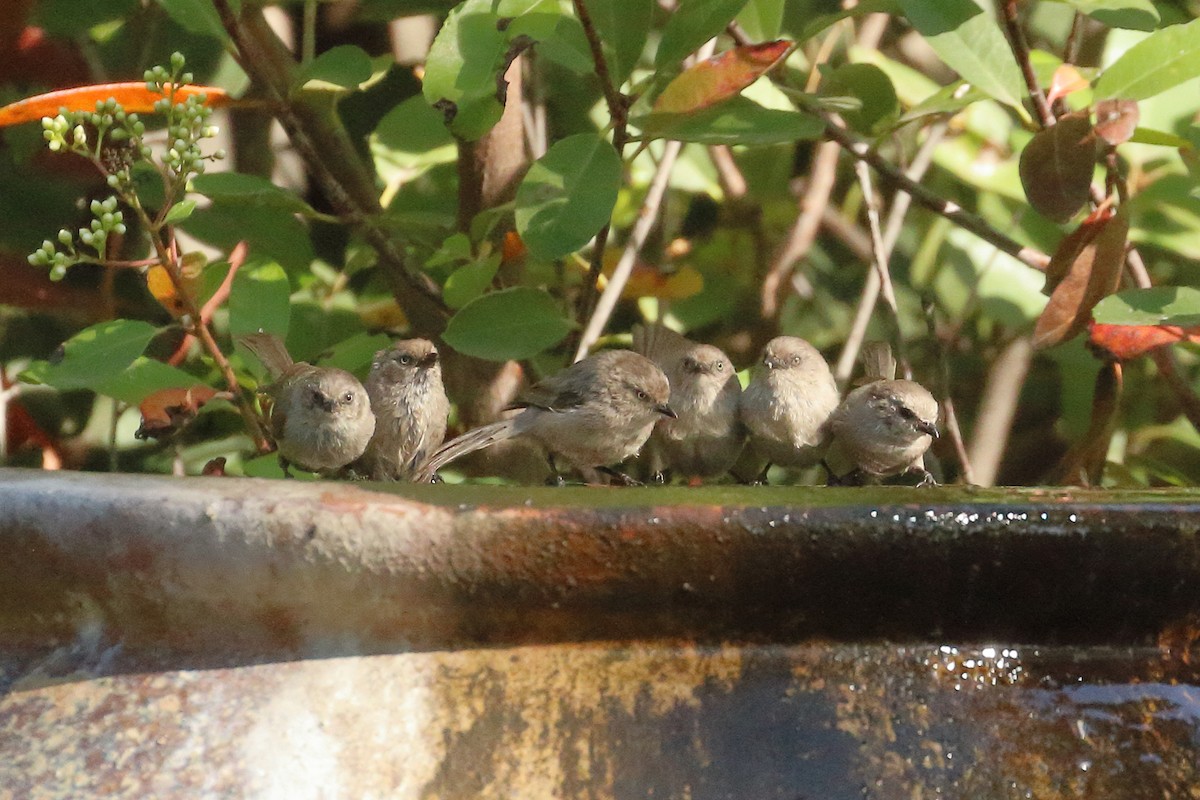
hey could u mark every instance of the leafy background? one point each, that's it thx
(613, 184)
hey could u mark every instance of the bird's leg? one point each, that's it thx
(855, 477)
(620, 477)
(926, 476)
(556, 478)
(661, 477)
(761, 480)
(286, 466)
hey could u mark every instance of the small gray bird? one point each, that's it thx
(787, 405)
(592, 415)
(883, 427)
(410, 407)
(320, 417)
(706, 438)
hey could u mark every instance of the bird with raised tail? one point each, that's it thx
(883, 427)
(705, 438)
(594, 414)
(788, 403)
(320, 417)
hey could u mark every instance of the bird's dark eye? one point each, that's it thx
(348, 398)
(907, 413)
(405, 359)
(720, 366)
(641, 395)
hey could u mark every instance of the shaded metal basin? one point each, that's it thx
(238, 638)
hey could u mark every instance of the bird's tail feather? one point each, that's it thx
(270, 350)
(469, 442)
(658, 343)
(878, 362)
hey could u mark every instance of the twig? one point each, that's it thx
(1074, 39)
(1164, 359)
(813, 200)
(880, 258)
(998, 408)
(618, 111)
(892, 176)
(733, 182)
(647, 216)
(895, 223)
(1020, 48)
(943, 391)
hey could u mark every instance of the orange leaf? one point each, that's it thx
(720, 77)
(1067, 80)
(1084, 270)
(1124, 342)
(167, 410)
(133, 96)
(159, 282)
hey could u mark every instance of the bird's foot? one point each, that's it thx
(621, 477)
(926, 476)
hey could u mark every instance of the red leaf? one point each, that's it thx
(1124, 342)
(1056, 167)
(167, 410)
(720, 77)
(132, 95)
(1084, 270)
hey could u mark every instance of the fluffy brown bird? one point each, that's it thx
(706, 437)
(320, 417)
(592, 415)
(787, 405)
(883, 427)
(410, 407)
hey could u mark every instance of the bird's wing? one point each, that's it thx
(552, 394)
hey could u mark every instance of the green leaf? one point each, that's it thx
(738, 120)
(1164, 59)
(947, 100)
(237, 187)
(510, 324)
(94, 356)
(762, 19)
(355, 353)
(180, 211)
(1138, 15)
(560, 38)
(470, 281)
(345, 65)
(1160, 305)
(259, 300)
(567, 195)
(271, 232)
(144, 377)
(871, 86)
(693, 23)
(460, 71)
(197, 16)
(968, 39)
(622, 26)
(861, 9)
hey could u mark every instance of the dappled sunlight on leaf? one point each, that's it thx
(720, 77)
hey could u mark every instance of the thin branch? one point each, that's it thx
(733, 182)
(618, 111)
(1020, 48)
(813, 200)
(895, 223)
(647, 216)
(998, 408)
(953, 430)
(1164, 359)
(1074, 39)
(895, 178)
(880, 257)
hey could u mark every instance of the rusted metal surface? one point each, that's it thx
(236, 638)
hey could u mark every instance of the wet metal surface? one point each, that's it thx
(229, 638)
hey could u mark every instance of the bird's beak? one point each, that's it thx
(769, 362)
(429, 360)
(666, 411)
(930, 428)
(327, 403)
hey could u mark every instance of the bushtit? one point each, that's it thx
(410, 407)
(595, 413)
(883, 427)
(787, 405)
(320, 417)
(707, 436)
